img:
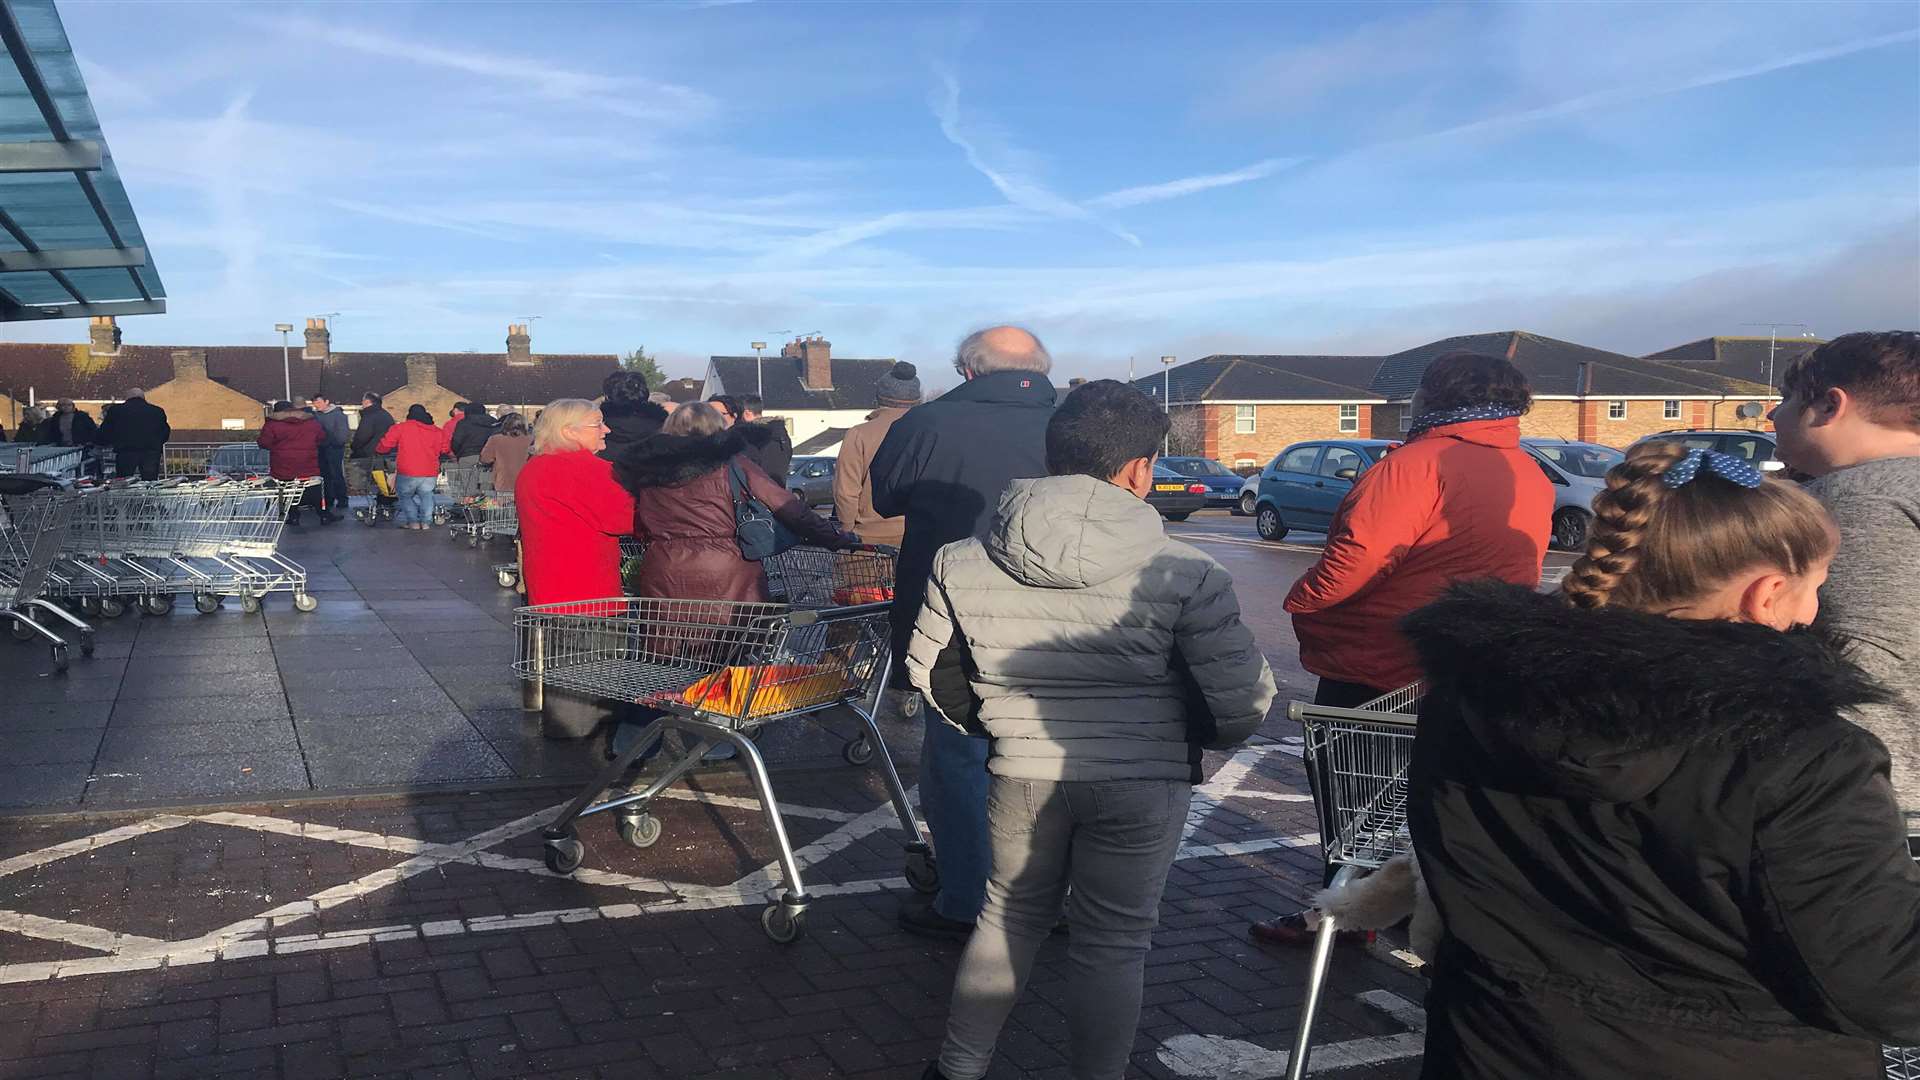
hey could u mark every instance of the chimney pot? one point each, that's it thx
(423, 371)
(319, 341)
(190, 364)
(519, 344)
(816, 362)
(103, 336)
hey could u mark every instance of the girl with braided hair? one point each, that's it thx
(1657, 845)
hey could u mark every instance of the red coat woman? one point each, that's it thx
(291, 437)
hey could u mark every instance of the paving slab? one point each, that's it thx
(390, 765)
(200, 778)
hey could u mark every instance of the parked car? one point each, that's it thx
(1758, 447)
(1303, 486)
(812, 480)
(238, 459)
(1578, 472)
(1174, 495)
(1223, 484)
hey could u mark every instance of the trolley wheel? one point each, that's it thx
(785, 926)
(88, 606)
(113, 609)
(640, 830)
(20, 630)
(156, 605)
(250, 605)
(923, 873)
(86, 643)
(453, 533)
(565, 856)
(206, 603)
(305, 601)
(857, 751)
(368, 518)
(506, 578)
(910, 704)
(59, 659)
(473, 539)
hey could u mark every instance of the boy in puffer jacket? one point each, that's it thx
(1101, 658)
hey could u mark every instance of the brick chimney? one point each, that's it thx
(423, 372)
(190, 364)
(816, 361)
(103, 336)
(319, 341)
(519, 344)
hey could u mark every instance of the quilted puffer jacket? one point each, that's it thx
(1087, 644)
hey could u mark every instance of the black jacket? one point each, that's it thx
(944, 464)
(472, 433)
(84, 430)
(1658, 850)
(775, 456)
(628, 423)
(134, 424)
(374, 425)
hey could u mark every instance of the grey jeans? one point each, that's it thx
(1113, 841)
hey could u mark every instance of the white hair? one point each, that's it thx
(977, 354)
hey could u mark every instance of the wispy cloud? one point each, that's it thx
(1009, 169)
(981, 217)
(630, 96)
(1174, 189)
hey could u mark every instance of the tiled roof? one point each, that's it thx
(1553, 368)
(56, 371)
(823, 442)
(683, 390)
(1266, 378)
(1739, 357)
(854, 382)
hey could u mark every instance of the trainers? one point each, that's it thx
(1293, 930)
(918, 917)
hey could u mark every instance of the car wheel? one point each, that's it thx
(1570, 530)
(1177, 517)
(1268, 524)
(1245, 508)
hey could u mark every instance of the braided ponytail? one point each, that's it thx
(1654, 547)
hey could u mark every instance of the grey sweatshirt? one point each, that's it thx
(1872, 597)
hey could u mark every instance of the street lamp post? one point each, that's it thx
(759, 372)
(1166, 393)
(286, 363)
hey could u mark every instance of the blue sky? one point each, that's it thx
(1128, 179)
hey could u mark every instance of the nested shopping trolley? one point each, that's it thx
(718, 672)
(1358, 759)
(33, 526)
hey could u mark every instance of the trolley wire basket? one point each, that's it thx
(812, 577)
(33, 526)
(1903, 1062)
(1357, 762)
(715, 672)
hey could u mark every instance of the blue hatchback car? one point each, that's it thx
(1303, 486)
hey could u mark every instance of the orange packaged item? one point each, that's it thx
(850, 595)
(780, 688)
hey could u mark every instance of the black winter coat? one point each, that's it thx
(134, 424)
(1658, 850)
(84, 429)
(470, 435)
(944, 465)
(775, 456)
(374, 425)
(627, 424)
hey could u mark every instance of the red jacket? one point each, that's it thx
(292, 441)
(421, 447)
(1456, 503)
(572, 514)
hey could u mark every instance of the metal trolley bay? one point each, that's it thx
(33, 526)
(716, 672)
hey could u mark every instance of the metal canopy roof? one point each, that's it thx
(69, 244)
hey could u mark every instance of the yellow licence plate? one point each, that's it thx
(1169, 487)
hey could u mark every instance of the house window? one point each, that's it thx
(1616, 410)
(1245, 465)
(1243, 419)
(1349, 418)
(1406, 421)
(1671, 411)
(228, 423)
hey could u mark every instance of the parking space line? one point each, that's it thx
(85, 844)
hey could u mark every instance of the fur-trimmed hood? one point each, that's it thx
(1606, 701)
(295, 415)
(662, 460)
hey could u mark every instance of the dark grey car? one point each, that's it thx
(812, 480)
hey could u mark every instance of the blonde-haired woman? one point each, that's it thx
(572, 514)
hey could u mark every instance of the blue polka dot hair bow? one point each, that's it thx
(1737, 470)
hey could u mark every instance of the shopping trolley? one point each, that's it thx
(716, 671)
(466, 484)
(33, 525)
(1358, 759)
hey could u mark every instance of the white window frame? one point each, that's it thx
(1670, 409)
(1406, 421)
(1616, 410)
(1349, 419)
(1246, 419)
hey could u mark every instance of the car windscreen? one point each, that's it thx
(1198, 467)
(1589, 461)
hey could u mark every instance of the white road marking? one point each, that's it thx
(90, 843)
(1215, 1057)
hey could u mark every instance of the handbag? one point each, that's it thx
(759, 534)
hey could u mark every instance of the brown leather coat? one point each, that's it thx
(853, 486)
(683, 511)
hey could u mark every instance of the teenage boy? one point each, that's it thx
(1850, 416)
(1100, 657)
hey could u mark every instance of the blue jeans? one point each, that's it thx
(333, 478)
(953, 795)
(416, 500)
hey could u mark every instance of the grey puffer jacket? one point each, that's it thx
(1087, 644)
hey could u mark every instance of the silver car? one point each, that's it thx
(1578, 472)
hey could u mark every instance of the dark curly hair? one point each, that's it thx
(1880, 370)
(1458, 379)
